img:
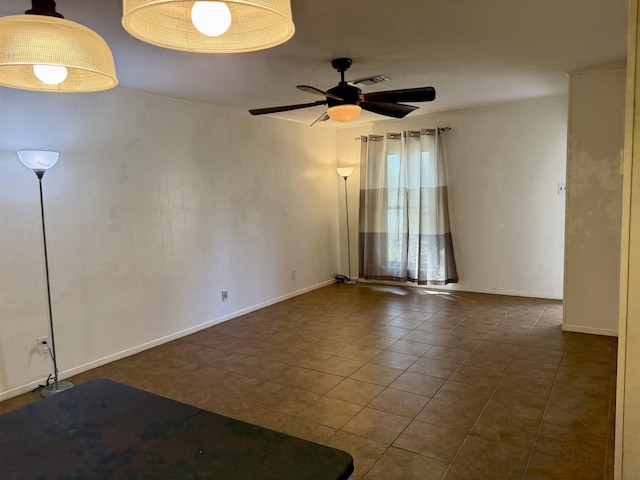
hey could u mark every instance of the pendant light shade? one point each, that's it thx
(255, 24)
(44, 41)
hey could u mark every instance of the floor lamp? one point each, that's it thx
(344, 173)
(40, 162)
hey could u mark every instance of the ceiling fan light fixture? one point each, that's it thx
(254, 24)
(344, 113)
(33, 44)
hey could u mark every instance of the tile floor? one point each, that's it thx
(415, 384)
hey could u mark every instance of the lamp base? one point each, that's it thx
(345, 280)
(55, 387)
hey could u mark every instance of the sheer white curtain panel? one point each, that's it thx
(405, 234)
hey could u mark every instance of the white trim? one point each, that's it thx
(160, 341)
(603, 66)
(626, 421)
(594, 331)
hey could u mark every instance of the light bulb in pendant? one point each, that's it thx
(50, 74)
(211, 18)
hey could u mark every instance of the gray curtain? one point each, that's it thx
(404, 213)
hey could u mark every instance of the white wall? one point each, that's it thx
(594, 200)
(155, 207)
(504, 164)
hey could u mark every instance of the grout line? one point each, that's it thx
(544, 413)
(486, 403)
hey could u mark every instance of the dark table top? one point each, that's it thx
(106, 430)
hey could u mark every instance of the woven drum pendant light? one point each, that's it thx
(40, 41)
(255, 24)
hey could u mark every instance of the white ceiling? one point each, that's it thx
(473, 52)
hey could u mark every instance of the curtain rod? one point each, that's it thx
(424, 131)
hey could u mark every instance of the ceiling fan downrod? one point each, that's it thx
(341, 65)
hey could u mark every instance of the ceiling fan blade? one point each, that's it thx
(322, 118)
(396, 110)
(421, 94)
(285, 108)
(317, 91)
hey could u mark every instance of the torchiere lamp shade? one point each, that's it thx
(344, 171)
(255, 25)
(40, 40)
(38, 159)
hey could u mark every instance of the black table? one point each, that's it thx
(106, 430)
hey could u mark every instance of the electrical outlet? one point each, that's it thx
(562, 188)
(293, 274)
(225, 295)
(42, 345)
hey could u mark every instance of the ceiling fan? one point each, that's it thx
(346, 100)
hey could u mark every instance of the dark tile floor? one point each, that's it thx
(415, 384)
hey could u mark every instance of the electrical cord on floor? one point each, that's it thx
(48, 382)
(40, 387)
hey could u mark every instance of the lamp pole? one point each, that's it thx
(344, 173)
(346, 204)
(56, 386)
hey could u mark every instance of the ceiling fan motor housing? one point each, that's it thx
(350, 95)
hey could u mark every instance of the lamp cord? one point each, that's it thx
(55, 366)
(48, 381)
(40, 387)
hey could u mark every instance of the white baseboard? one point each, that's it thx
(590, 330)
(159, 341)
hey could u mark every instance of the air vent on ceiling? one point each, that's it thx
(365, 82)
